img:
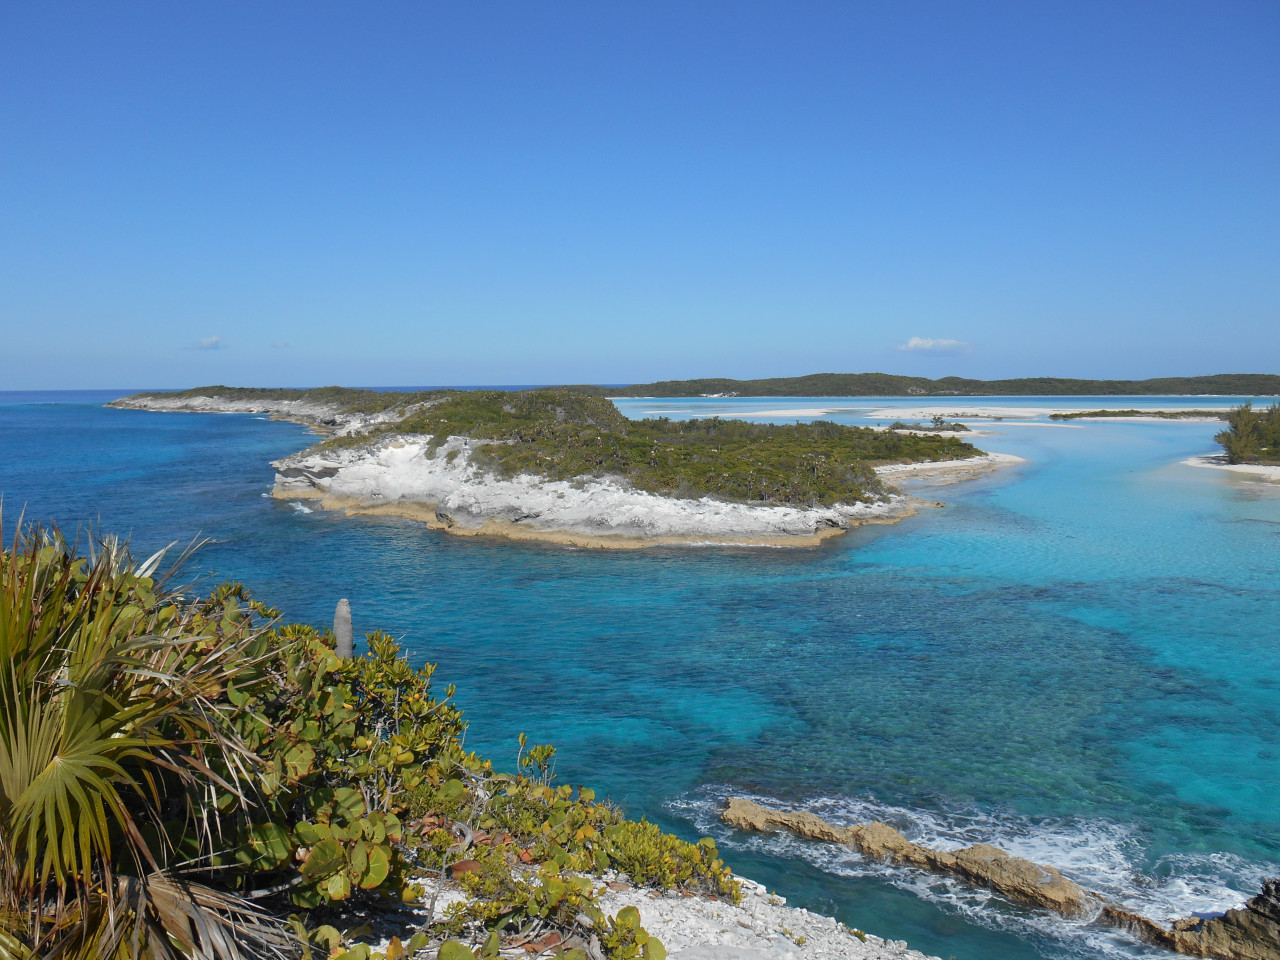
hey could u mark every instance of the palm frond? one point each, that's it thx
(114, 736)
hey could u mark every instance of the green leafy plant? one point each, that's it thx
(343, 745)
(625, 939)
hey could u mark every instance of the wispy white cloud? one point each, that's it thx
(209, 343)
(942, 347)
(279, 344)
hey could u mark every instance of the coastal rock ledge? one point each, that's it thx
(442, 486)
(1251, 932)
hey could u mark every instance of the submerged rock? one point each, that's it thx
(1251, 932)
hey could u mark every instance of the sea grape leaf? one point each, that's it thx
(377, 869)
(327, 857)
(271, 843)
(453, 950)
(348, 803)
(338, 887)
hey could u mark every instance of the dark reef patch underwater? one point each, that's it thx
(1075, 661)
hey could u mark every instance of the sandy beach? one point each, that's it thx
(942, 472)
(1268, 472)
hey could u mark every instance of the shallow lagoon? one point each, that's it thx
(1075, 658)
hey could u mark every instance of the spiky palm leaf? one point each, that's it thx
(113, 730)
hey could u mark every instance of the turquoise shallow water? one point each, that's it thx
(1076, 658)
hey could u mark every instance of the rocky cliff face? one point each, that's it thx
(1251, 932)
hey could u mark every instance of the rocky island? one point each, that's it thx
(565, 466)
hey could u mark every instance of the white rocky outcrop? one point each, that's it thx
(325, 418)
(761, 927)
(446, 488)
(692, 927)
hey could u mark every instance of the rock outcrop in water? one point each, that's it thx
(1251, 932)
(982, 864)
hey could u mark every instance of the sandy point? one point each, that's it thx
(1265, 471)
(939, 472)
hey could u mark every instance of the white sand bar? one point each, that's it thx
(962, 411)
(1269, 472)
(947, 471)
(796, 412)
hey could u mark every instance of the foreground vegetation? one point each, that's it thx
(1252, 436)
(189, 777)
(562, 434)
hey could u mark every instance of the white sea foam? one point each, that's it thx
(300, 507)
(1101, 855)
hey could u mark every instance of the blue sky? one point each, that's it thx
(541, 192)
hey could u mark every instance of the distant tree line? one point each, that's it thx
(893, 385)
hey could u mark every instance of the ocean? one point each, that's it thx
(1076, 658)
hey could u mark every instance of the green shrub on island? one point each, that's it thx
(1252, 436)
(1158, 414)
(562, 434)
(935, 425)
(187, 777)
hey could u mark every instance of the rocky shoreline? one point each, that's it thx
(763, 926)
(443, 488)
(322, 418)
(1251, 932)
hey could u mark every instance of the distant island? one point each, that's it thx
(564, 465)
(894, 385)
(1140, 415)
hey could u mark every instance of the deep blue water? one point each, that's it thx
(1076, 658)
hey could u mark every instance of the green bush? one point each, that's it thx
(343, 745)
(653, 858)
(1252, 436)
